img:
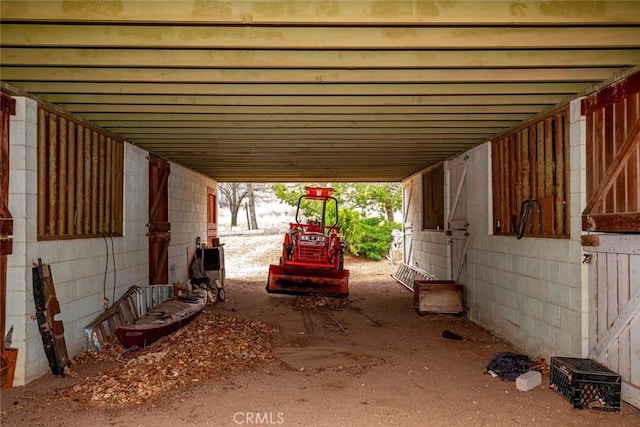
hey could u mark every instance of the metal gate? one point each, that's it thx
(457, 223)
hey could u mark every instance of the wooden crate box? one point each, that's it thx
(437, 296)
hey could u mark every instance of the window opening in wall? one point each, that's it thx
(433, 198)
(80, 179)
(530, 169)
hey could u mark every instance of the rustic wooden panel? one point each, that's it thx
(7, 109)
(634, 326)
(567, 175)
(87, 182)
(106, 215)
(613, 141)
(77, 167)
(533, 163)
(433, 198)
(212, 215)
(95, 165)
(71, 175)
(78, 220)
(614, 319)
(159, 235)
(458, 194)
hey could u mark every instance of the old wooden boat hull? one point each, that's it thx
(162, 320)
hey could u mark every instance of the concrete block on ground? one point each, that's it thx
(528, 380)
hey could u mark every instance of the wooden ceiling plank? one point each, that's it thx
(195, 75)
(382, 122)
(343, 133)
(319, 12)
(212, 109)
(295, 89)
(303, 100)
(116, 119)
(264, 59)
(300, 37)
(304, 146)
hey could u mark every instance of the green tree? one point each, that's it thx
(368, 236)
(384, 198)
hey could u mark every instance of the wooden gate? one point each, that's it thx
(159, 226)
(212, 217)
(407, 226)
(613, 205)
(7, 108)
(457, 223)
(614, 307)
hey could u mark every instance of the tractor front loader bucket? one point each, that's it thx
(308, 281)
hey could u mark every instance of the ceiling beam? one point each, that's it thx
(288, 109)
(209, 58)
(322, 12)
(346, 122)
(373, 142)
(182, 75)
(184, 119)
(300, 100)
(249, 37)
(294, 89)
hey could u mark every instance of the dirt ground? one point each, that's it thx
(369, 360)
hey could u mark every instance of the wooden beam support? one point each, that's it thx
(547, 100)
(196, 75)
(317, 12)
(261, 59)
(299, 37)
(294, 89)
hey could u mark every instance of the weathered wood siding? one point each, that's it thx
(7, 109)
(433, 198)
(80, 179)
(613, 204)
(533, 163)
(614, 305)
(613, 157)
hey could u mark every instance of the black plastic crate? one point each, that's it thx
(585, 383)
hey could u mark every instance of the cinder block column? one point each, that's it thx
(23, 206)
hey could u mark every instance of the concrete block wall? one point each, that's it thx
(78, 265)
(188, 216)
(578, 182)
(430, 250)
(531, 291)
(22, 204)
(527, 290)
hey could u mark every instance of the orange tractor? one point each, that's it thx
(312, 259)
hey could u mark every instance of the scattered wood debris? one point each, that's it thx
(319, 302)
(211, 346)
(542, 365)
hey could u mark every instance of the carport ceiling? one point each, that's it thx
(270, 91)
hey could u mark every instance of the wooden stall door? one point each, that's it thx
(457, 223)
(613, 205)
(614, 309)
(212, 217)
(159, 226)
(7, 108)
(407, 226)
(613, 157)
